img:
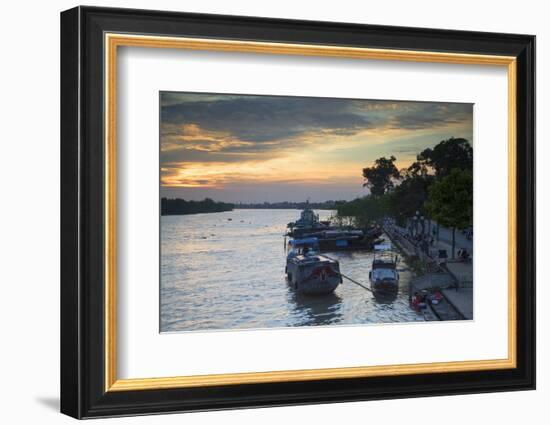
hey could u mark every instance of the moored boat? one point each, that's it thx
(383, 277)
(346, 239)
(307, 223)
(332, 238)
(307, 271)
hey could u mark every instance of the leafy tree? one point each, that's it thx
(446, 156)
(416, 169)
(409, 197)
(380, 177)
(450, 201)
(402, 193)
(364, 211)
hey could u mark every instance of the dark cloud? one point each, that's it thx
(229, 128)
(421, 116)
(266, 118)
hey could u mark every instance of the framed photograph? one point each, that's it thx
(261, 212)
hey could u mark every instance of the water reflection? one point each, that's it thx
(385, 297)
(315, 309)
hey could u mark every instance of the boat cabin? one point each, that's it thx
(308, 218)
(305, 246)
(384, 264)
(383, 269)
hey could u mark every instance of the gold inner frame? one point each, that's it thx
(113, 41)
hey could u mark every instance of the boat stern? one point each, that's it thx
(319, 279)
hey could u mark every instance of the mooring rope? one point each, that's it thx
(349, 278)
(354, 281)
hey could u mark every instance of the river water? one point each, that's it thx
(222, 271)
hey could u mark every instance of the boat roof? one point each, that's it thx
(304, 241)
(383, 264)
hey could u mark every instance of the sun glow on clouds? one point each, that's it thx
(277, 170)
(193, 137)
(265, 141)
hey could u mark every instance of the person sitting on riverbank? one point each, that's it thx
(418, 302)
(463, 255)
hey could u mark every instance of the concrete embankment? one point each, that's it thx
(446, 291)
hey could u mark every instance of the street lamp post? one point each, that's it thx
(417, 217)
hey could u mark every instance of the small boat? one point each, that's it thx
(307, 271)
(384, 278)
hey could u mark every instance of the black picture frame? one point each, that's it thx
(83, 392)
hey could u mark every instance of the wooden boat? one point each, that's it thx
(307, 271)
(383, 277)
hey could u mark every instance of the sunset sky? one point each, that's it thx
(241, 148)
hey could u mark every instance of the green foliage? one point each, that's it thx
(409, 197)
(416, 169)
(364, 211)
(446, 156)
(380, 177)
(439, 184)
(450, 200)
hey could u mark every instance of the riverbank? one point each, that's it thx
(446, 289)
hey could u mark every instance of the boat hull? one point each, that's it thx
(333, 239)
(314, 279)
(343, 244)
(385, 286)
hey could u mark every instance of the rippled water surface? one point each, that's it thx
(224, 271)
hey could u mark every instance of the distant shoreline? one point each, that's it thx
(244, 209)
(286, 205)
(177, 206)
(182, 207)
(237, 207)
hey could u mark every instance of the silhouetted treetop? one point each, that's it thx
(446, 156)
(380, 177)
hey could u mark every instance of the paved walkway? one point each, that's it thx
(446, 238)
(430, 281)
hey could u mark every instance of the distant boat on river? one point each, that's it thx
(333, 238)
(308, 222)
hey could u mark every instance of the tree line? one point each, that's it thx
(178, 206)
(284, 205)
(438, 185)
